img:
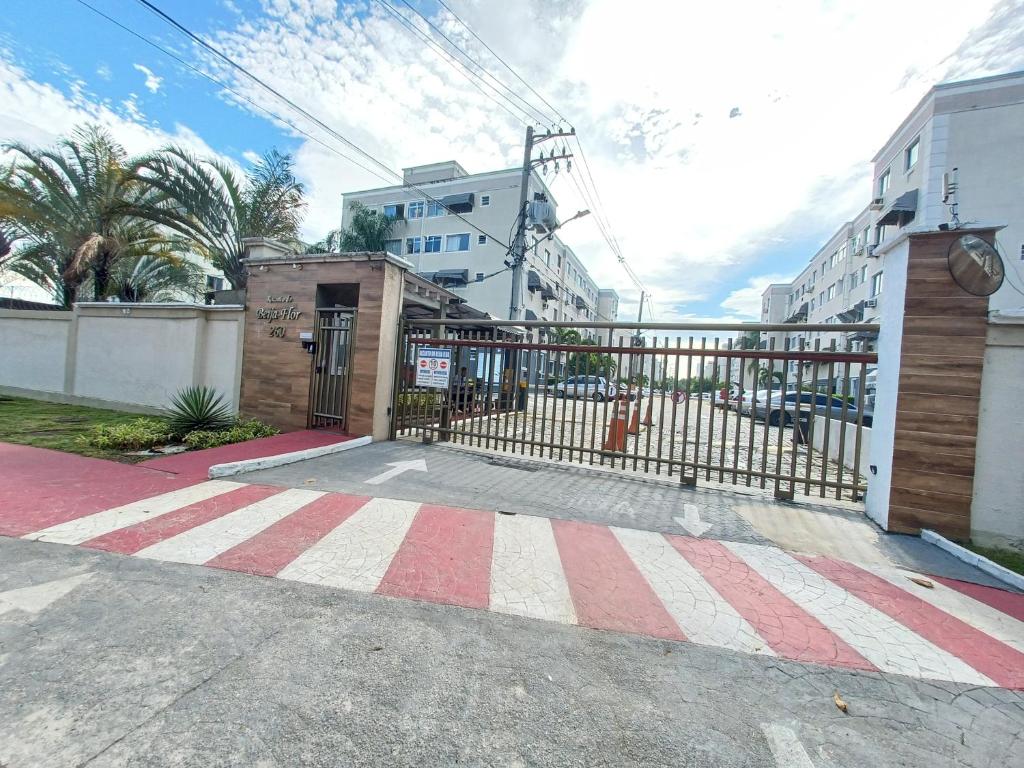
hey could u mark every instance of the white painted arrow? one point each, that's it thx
(397, 468)
(691, 521)
(785, 746)
(37, 597)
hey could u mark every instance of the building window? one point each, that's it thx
(879, 234)
(833, 259)
(432, 244)
(214, 283)
(481, 239)
(454, 243)
(910, 154)
(394, 210)
(876, 284)
(393, 246)
(853, 279)
(864, 273)
(821, 299)
(416, 210)
(883, 183)
(413, 244)
(434, 209)
(485, 200)
(831, 291)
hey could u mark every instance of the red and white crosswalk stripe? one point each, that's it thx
(735, 596)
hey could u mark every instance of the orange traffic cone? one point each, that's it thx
(649, 417)
(615, 434)
(634, 422)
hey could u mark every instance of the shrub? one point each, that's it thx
(198, 409)
(135, 435)
(237, 433)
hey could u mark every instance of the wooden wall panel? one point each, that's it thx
(943, 349)
(276, 372)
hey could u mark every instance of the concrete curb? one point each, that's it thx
(972, 558)
(266, 462)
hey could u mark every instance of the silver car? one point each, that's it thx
(591, 387)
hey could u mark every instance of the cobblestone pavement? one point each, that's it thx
(147, 663)
(734, 595)
(718, 439)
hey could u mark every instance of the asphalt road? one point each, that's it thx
(143, 663)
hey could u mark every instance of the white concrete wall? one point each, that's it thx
(33, 347)
(117, 355)
(890, 338)
(997, 509)
(835, 430)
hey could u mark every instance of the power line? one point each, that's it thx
(229, 89)
(453, 61)
(544, 118)
(505, 63)
(221, 55)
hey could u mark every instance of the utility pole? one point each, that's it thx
(519, 243)
(633, 343)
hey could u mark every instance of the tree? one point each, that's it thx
(368, 230)
(158, 277)
(72, 206)
(210, 204)
(591, 363)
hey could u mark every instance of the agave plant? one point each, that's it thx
(198, 408)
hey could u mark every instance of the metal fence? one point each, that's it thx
(710, 403)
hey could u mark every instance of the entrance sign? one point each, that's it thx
(433, 367)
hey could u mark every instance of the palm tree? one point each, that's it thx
(367, 231)
(213, 207)
(71, 205)
(158, 277)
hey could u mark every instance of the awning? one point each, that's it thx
(547, 292)
(460, 276)
(800, 314)
(533, 282)
(902, 211)
(581, 303)
(530, 315)
(461, 203)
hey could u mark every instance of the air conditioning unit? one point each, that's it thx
(877, 203)
(870, 252)
(870, 303)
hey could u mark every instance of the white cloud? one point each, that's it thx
(746, 301)
(691, 192)
(153, 82)
(104, 72)
(250, 156)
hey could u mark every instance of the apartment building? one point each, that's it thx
(455, 227)
(972, 130)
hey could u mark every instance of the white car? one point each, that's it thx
(746, 402)
(592, 387)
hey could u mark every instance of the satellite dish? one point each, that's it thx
(975, 265)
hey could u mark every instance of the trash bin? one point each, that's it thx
(802, 427)
(521, 400)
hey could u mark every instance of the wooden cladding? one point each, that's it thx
(277, 370)
(941, 358)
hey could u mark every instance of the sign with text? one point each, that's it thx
(433, 367)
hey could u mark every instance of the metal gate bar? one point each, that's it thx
(330, 382)
(777, 402)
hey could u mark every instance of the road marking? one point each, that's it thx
(791, 632)
(130, 540)
(527, 578)
(39, 596)
(357, 553)
(691, 522)
(989, 620)
(397, 468)
(884, 642)
(82, 529)
(608, 591)
(444, 558)
(208, 540)
(703, 614)
(273, 548)
(785, 746)
(1000, 662)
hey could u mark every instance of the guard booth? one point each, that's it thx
(321, 334)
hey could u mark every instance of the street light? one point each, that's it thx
(577, 215)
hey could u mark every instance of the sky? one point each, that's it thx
(727, 141)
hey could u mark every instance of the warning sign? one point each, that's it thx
(433, 367)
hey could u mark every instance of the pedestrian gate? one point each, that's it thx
(332, 368)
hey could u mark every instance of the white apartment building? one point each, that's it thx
(975, 127)
(446, 249)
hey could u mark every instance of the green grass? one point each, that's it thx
(1008, 558)
(58, 426)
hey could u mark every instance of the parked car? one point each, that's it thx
(744, 403)
(784, 407)
(592, 387)
(627, 393)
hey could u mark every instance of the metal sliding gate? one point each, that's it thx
(751, 405)
(330, 383)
